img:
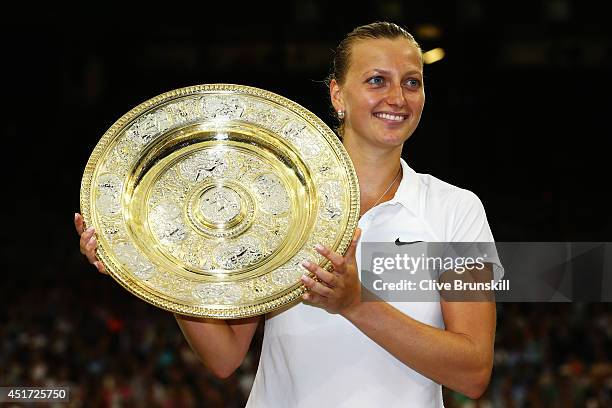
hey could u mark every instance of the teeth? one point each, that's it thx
(390, 117)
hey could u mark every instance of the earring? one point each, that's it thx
(340, 114)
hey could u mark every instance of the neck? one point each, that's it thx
(376, 168)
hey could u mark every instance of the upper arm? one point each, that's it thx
(244, 330)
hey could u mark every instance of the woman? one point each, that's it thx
(333, 349)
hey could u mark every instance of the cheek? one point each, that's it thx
(417, 103)
(361, 103)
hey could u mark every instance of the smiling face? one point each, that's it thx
(382, 93)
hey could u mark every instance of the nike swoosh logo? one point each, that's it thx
(398, 242)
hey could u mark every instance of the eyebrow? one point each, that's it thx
(386, 72)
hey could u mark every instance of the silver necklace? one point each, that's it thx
(386, 191)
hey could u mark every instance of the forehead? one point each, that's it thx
(384, 53)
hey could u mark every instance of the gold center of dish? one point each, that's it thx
(220, 206)
(216, 208)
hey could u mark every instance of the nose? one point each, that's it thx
(395, 96)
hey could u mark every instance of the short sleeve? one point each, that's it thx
(469, 224)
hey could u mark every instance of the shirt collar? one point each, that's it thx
(408, 192)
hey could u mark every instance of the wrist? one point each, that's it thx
(357, 309)
(351, 311)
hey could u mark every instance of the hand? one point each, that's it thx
(88, 242)
(337, 291)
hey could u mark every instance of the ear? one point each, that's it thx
(336, 95)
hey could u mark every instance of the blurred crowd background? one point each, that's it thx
(516, 111)
(114, 350)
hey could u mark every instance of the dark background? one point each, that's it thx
(516, 112)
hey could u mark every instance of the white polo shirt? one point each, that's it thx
(311, 358)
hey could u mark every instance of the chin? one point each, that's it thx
(396, 139)
(392, 141)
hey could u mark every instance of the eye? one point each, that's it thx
(413, 83)
(376, 80)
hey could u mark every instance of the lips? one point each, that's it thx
(395, 117)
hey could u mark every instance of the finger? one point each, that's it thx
(336, 259)
(350, 253)
(78, 223)
(316, 287)
(329, 278)
(90, 250)
(87, 234)
(313, 299)
(100, 267)
(86, 237)
(91, 244)
(91, 257)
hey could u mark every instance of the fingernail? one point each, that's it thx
(75, 216)
(319, 247)
(306, 264)
(92, 239)
(304, 278)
